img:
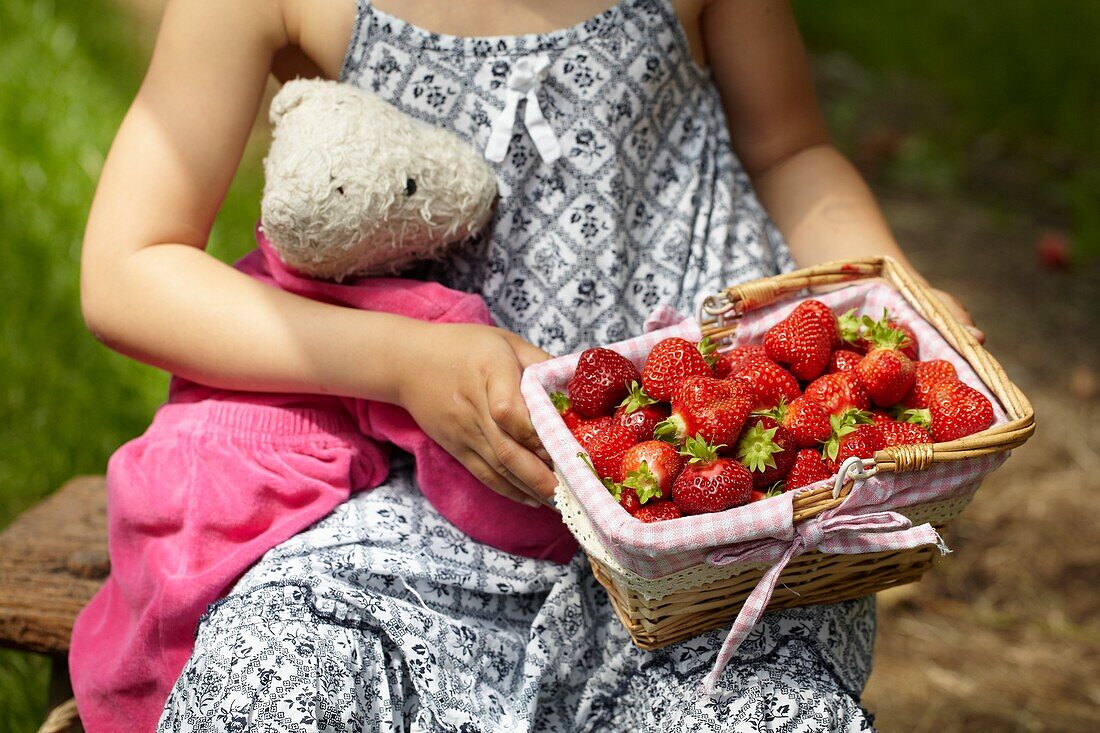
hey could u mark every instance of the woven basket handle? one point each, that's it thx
(720, 313)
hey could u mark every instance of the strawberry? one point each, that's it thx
(958, 410)
(606, 447)
(766, 449)
(628, 500)
(584, 429)
(842, 425)
(808, 468)
(658, 511)
(758, 495)
(768, 381)
(885, 372)
(854, 336)
(640, 413)
(730, 362)
(713, 409)
(864, 441)
(709, 483)
(804, 419)
(902, 433)
(565, 409)
(601, 381)
(843, 360)
(804, 339)
(879, 417)
(926, 375)
(670, 361)
(649, 469)
(838, 392)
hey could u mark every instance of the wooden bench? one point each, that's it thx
(53, 558)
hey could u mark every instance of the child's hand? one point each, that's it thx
(461, 385)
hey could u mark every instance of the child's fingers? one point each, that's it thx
(511, 459)
(508, 410)
(505, 486)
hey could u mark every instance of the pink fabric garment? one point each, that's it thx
(221, 477)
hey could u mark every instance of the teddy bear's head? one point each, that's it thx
(356, 187)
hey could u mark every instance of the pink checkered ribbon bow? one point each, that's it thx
(833, 532)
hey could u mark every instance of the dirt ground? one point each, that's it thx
(1004, 634)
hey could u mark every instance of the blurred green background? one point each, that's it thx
(993, 104)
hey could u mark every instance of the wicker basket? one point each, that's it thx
(676, 607)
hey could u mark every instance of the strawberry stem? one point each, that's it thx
(707, 348)
(699, 451)
(561, 401)
(644, 483)
(757, 448)
(636, 399)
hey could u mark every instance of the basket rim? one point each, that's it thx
(720, 314)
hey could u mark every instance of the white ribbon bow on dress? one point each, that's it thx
(524, 82)
(840, 531)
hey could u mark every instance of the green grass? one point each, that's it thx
(68, 71)
(1019, 78)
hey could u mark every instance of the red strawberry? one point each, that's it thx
(902, 433)
(649, 469)
(766, 449)
(601, 381)
(804, 339)
(841, 425)
(709, 483)
(864, 441)
(768, 381)
(838, 392)
(565, 409)
(585, 429)
(958, 410)
(628, 500)
(714, 409)
(606, 447)
(758, 495)
(804, 419)
(885, 371)
(808, 468)
(926, 376)
(878, 417)
(670, 361)
(730, 362)
(658, 511)
(843, 360)
(640, 413)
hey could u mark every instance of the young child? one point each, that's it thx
(614, 140)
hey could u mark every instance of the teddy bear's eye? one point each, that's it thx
(410, 187)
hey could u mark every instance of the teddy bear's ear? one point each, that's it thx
(289, 97)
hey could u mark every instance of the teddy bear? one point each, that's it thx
(353, 186)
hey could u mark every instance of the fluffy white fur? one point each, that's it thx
(337, 173)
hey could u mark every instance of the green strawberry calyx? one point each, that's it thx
(698, 450)
(850, 327)
(757, 448)
(644, 483)
(843, 424)
(561, 401)
(636, 399)
(670, 430)
(775, 489)
(882, 335)
(777, 413)
(922, 417)
(707, 349)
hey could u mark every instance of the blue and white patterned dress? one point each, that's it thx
(383, 617)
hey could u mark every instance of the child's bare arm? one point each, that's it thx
(813, 193)
(150, 291)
